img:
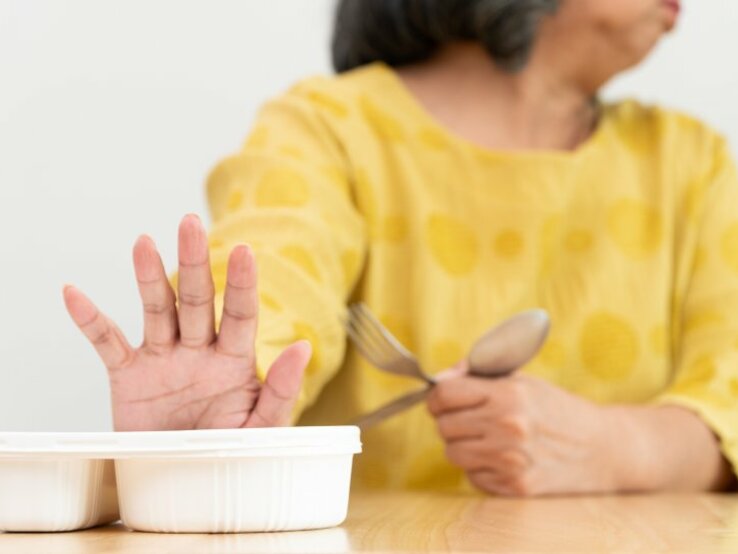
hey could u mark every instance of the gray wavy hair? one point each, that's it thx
(400, 32)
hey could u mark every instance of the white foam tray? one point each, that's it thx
(236, 480)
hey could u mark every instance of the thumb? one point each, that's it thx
(281, 387)
(459, 369)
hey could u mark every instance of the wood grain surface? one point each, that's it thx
(437, 522)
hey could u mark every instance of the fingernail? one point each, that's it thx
(242, 248)
(146, 238)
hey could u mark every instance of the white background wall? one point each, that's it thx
(111, 114)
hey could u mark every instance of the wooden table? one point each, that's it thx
(435, 522)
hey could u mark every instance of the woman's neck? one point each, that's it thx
(534, 109)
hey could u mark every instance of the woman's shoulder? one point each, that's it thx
(669, 146)
(664, 130)
(335, 95)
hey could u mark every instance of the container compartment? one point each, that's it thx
(43, 494)
(231, 495)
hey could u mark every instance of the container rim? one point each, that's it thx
(216, 443)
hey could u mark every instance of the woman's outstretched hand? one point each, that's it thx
(183, 376)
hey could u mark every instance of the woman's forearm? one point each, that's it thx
(665, 448)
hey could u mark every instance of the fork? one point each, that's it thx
(498, 352)
(380, 347)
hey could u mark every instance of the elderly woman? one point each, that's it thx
(460, 168)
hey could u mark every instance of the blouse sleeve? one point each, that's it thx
(705, 323)
(287, 194)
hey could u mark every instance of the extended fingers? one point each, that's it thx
(196, 288)
(109, 342)
(160, 312)
(240, 305)
(281, 387)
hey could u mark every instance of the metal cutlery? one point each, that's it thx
(496, 353)
(380, 347)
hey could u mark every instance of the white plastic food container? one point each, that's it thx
(212, 481)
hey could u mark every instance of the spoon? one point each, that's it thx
(497, 353)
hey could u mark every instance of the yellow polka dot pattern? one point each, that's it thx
(578, 241)
(553, 353)
(333, 105)
(292, 152)
(701, 258)
(391, 228)
(729, 247)
(700, 372)
(549, 239)
(657, 339)
(305, 331)
(219, 270)
(609, 346)
(508, 244)
(235, 200)
(702, 319)
(453, 244)
(694, 198)
(300, 256)
(336, 176)
(258, 137)
(399, 326)
(634, 227)
(734, 387)
(282, 187)
(350, 262)
(446, 352)
(433, 138)
(365, 197)
(270, 302)
(384, 124)
(215, 243)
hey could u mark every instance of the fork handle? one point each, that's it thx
(509, 345)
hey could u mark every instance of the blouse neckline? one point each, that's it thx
(412, 105)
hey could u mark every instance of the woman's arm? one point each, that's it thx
(523, 436)
(669, 448)
(289, 193)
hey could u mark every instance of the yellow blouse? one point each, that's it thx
(348, 190)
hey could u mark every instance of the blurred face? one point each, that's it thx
(604, 37)
(630, 26)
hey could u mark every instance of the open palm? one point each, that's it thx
(183, 376)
